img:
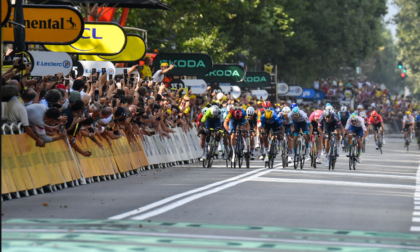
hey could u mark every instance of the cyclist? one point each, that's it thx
(239, 118)
(300, 122)
(270, 121)
(376, 123)
(252, 119)
(212, 120)
(355, 124)
(343, 115)
(359, 109)
(288, 129)
(265, 106)
(329, 122)
(408, 125)
(201, 131)
(363, 115)
(314, 119)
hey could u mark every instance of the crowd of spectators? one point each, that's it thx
(372, 96)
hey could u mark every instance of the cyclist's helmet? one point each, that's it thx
(329, 107)
(317, 114)
(204, 110)
(237, 114)
(327, 112)
(268, 115)
(363, 114)
(293, 105)
(353, 117)
(266, 104)
(278, 110)
(408, 113)
(296, 112)
(223, 110)
(250, 111)
(214, 110)
(229, 107)
(286, 110)
(343, 108)
(328, 104)
(360, 106)
(374, 113)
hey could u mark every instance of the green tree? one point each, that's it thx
(408, 40)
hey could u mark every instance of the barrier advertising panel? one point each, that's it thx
(50, 63)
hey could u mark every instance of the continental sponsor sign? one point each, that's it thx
(48, 24)
(133, 51)
(98, 38)
(6, 9)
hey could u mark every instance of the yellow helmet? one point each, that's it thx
(408, 113)
(268, 114)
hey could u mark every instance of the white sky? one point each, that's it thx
(392, 10)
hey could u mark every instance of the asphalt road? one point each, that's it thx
(190, 208)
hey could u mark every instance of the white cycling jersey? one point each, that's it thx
(303, 117)
(408, 120)
(360, 123)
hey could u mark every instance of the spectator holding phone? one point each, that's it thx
(160, 74)
(146, 71)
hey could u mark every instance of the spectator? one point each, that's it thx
(160, 74)
(45, 120)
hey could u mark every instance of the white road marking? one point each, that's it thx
(196, 196)
(348, 174)
(416, 213)
(416, 207)
(416, 219)
(326, 182)
(415, 229)
(164, 201)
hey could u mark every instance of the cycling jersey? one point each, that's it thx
(284, 120)
(312, 116)
(200, 116)
(211, 121)
(360, 123)
(274, 123)
(261, 112)
(303, 117)
(230, 116)
(252, 121)
(330, 126)
(344, 116)
(418, 118)
(378, 120)
(408, 120)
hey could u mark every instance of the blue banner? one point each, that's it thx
(319, 95)
(307, 94)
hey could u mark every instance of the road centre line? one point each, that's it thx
(208, 237)
(174, 197)
(197, 196)
(326, 182)
(347, 174)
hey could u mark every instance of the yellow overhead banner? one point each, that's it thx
(133, 51)
(6, 8)
(47, 24)
(98, 38)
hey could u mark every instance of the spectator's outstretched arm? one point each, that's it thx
(38, 140)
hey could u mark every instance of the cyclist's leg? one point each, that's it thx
(359, 134)
(297, 129)
(232, 131)
(207, 137)
(252, 137)
(245, 137)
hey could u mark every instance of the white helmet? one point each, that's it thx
(229, 107)
(360, 106)
(362, 114)
(329, 107)
(343, 108)
(278, 110)
(250, 111)
(214, 110)
(286, 110)
(327, 112)
(204, 110)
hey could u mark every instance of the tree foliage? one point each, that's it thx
(305, 38)
(408, 34)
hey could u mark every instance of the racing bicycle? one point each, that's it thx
(353, 154)
(273, 142)
(314, 149)
(284, 152)
(332, 154)
(208, 162)
(300, 152)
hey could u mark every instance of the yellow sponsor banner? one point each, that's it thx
(133, 51)
(6, 9)
(48, 24)
(11, 165)
(98, 38)
(58, 148)
(36, 167)
(71, 163)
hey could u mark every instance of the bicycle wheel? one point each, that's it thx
(297, 155)
(350, 158)
(211, 154)
(380, 142)
(355, 150)
(272, 154)
(247, 157)
(330, 156)
(407, 143)
(303, 156)
(334, 158)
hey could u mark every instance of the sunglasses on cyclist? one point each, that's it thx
(328, 117)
